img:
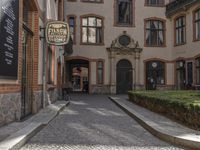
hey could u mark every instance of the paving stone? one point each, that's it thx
(94, 123)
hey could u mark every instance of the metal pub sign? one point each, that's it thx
(57, 33)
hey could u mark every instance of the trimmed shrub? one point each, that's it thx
(182, 106)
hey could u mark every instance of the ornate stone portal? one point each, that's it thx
(124, 48)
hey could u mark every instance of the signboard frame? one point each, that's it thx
(47, 31)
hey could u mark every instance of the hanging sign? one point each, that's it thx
(57, 33)
(9, 29)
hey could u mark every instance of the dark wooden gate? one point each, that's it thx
(124, 76)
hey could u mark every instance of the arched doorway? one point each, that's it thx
(77, 71)
(155, 74)
(124, 76)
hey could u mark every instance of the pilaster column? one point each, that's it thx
(112, 73)
(137, 69)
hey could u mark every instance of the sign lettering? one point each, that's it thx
(9, 28)
(57, 33)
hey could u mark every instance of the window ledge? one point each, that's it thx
(92, 44)
(124, 25)
(86, 1)
(182, 44)
(162, 46)
(196, 40)
(151, 5)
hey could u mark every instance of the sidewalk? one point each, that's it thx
(14, 135)
(158, 125)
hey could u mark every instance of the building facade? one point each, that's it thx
(30, 69)
(133, 44)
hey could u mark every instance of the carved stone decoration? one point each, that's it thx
(124, 45)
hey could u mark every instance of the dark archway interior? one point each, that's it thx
(77, 72)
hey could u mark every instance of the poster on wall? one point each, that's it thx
(9, 33)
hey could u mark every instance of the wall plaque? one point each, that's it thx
(9, 34)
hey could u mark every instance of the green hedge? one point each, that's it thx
(183, 106)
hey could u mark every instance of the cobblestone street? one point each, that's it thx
(94, 122)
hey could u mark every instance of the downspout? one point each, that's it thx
(44, 58)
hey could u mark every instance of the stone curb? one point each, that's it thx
(19, 138)
(189, 142)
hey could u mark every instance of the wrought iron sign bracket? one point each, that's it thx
(42, 29)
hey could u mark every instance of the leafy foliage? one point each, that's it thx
(183, 106)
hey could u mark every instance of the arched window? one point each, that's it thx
(155, 74)
(155, 33)
(92, 30)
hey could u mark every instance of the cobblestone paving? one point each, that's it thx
(94, 123)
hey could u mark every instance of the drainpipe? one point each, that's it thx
(44, 59)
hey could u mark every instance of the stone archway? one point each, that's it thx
(124, 48)
(78, 72)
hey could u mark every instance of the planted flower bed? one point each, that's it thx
(183, 106)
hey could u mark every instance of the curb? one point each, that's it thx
(19, 138)
(151, 127)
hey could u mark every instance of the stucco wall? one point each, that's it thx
(166, 54)
(111, 32)
(191, 48)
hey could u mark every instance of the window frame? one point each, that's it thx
(197, 68)
(164, 31)
(97, 72)
(74, 27)
(116, 23)
(164, 69)
(195, 38)
(183, 27)
(160, 4)
(81, 27)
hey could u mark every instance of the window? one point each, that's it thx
(155, 33)
(72, 27)
(155, 74)
(189, 74)
(180, 74)
(198, 71)
(100, 72)
(197, 24)
(124, 12)
(180, 27)
(92, 30)
(155, 2)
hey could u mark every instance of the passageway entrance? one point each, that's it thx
(77, 72)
